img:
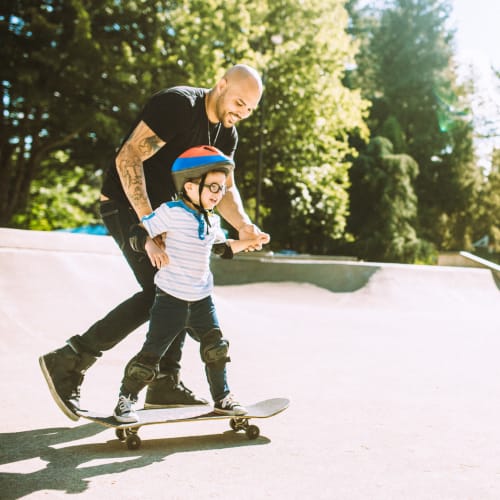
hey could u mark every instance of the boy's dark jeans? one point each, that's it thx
(169, 316)
(133, 312)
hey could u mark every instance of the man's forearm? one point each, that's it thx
(231, 209)
(131, 172)
(141, 145)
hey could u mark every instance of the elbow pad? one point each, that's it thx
(137, 238)
(223, 250)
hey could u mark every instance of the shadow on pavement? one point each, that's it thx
(65, 469)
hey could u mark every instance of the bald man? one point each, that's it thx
(172, 121)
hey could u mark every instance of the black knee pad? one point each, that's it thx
(142, 369)
(214, 347)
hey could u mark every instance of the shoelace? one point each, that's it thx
(184, 388)
(124, 403)
(228, 401)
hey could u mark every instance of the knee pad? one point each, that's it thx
(214, 347)
(141, 369)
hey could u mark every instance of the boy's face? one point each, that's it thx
(214, 181)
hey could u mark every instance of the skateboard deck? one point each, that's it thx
(128, 432)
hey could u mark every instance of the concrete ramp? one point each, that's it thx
(392, 371)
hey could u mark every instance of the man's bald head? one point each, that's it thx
(235, 95)
(242, 74)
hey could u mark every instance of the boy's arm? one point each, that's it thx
(227, 249)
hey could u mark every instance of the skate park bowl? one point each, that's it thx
(391, 369)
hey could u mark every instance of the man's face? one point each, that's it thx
(236, 101)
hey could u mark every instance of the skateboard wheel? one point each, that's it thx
(133, 442)
(253, 432)
(120, 434)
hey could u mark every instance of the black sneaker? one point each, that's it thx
(124, 410)
(229, 406)
(64, 370)
(167, 391)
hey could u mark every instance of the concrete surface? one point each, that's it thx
(394, 382)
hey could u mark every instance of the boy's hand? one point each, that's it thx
(157, 256)
(253, 233)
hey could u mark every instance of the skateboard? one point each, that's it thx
(129, 432)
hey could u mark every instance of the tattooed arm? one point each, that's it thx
(141, 145)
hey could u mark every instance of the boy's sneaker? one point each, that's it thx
(229, 406)
(124, 411)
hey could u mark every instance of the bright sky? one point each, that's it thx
(477, 24)
(478, 45)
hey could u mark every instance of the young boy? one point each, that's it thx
(184, 281)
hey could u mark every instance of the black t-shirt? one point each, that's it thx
(178, 116)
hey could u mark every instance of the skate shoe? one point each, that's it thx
(124, 410)
(64, 370)
(229, 406)
(167, 391)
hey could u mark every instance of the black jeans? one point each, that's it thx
(133, 312)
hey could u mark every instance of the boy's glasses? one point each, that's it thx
(215, 188)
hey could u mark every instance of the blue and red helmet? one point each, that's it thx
(198, 161)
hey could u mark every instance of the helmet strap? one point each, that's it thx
(204, 222)
(201, 208)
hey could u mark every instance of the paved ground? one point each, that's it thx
(394, 387)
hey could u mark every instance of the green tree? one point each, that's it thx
(303, 122)
(487, 218)
(60, 197)
(449, 221)
(406, 69)
(69, 71)
(79, 71)
(384, 205)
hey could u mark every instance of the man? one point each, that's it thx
(172, 121)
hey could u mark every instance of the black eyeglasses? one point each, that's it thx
(215, 188)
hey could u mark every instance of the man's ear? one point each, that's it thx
(221, 85)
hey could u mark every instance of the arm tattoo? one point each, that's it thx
(132, 176)
(141, 145)
(149, 146)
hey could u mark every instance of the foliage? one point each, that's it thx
(487, 218)
(61, 198)
(309, 208)
(406, 69)
(88, 67)
(76, 73)
(303, 122)
(384, 205)
(449, 221)
(70, 69)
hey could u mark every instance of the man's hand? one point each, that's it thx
(252, 232)
(160, 240)
(157, 255)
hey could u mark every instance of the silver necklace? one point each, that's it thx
(210, 143)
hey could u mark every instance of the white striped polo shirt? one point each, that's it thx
(187, 276)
